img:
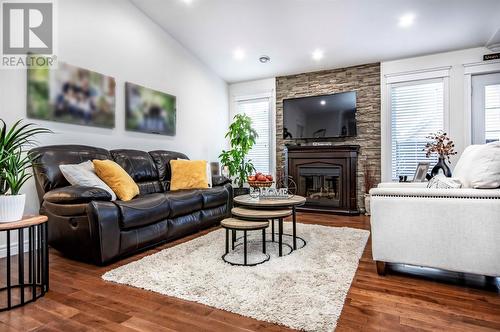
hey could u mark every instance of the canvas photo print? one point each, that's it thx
(71, 94)
(149, 111)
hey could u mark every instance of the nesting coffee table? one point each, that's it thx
(268, 205)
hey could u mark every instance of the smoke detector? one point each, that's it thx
(264, 59)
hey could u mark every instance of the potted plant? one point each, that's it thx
(370, 182)
(242, 138)
(444, 147)
(14, 167)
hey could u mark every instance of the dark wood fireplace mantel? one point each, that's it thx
(325, 175)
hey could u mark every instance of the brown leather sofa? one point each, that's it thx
(84, 223)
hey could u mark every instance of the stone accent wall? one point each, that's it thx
(365, 80)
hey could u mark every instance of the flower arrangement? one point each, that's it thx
(440, 144)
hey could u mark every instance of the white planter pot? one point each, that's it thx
(367, 204)
(12, 207)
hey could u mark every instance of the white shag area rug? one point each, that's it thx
(304, 290)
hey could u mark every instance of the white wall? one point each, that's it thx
(117, 39)
(457, 123)
(256, 89)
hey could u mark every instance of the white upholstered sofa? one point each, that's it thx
(450, 229)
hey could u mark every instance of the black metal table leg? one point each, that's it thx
(272, 230)
(264, 240)
(20, 256)
(280, 236)
(294, 224)
(245, 247)
(38, 254)
(9, 291)
(45, 229)
(33, 263)
(227, 240)
(233, 238)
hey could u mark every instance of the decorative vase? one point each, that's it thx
(441, 166)
(367, 204)
(12, 207)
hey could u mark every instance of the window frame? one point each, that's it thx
(406, 79)
(272, 122)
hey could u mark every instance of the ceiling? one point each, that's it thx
(349, 32)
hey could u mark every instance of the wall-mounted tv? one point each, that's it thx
(319, 117)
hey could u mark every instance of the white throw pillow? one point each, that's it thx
(440, 181)
(84, 175)
(479, 166)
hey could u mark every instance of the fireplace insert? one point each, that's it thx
(325, 176)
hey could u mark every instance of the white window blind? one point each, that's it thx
(492, 112)
(417, 109)
(259, 111)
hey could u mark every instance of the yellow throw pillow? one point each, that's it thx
(116, 178)
(188, 174)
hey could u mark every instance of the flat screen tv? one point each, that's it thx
(320, 117)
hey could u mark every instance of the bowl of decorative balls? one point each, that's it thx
(260, 180)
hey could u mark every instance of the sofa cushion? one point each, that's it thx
(143, 210)
(48, 158)
(214, 197)
(183, 225)
(184, 202)
(479, 166)
(141, 167)
(83, 174)
(76, 195)
(162, 160)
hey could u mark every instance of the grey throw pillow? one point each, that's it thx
(84, 175)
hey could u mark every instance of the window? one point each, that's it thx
(485, 116)
(417, 109)
(492, 112)
(259, 111)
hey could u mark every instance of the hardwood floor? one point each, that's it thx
(406, 298)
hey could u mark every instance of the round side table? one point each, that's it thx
(233, 224)
(283, 203)
(21, 288)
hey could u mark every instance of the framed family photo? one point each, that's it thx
(421, 172)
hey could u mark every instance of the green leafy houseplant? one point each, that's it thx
(14, 165)
(242, 138)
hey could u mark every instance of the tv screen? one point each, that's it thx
(319, 117)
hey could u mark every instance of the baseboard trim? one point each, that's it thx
(13, 248)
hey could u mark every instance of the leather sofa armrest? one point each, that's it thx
(76, 195)
(219, 180)
(104, 227)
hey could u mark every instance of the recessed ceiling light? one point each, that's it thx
(322, 102)
(264, 59)
(239, 54)
(406, 20)
(187, 2)
(318, 54)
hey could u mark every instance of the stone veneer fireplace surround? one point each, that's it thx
(365, 80)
